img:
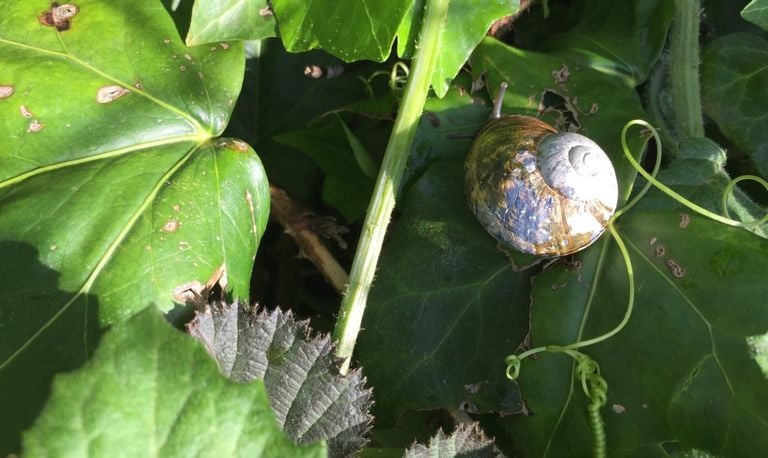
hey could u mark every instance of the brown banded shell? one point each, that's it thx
(537, 190)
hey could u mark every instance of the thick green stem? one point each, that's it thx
(388, 183)
(684, 55)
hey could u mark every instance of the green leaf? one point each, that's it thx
(759, 349)
(643, 415)
(467, 440)
(346, 186)
(349, 29)
(215, 20)
(114, 193)
(733, 85)
(446, 306)
(152, 391)
(615, 38)
(311, 400)
(698, 174)
(681, 372)
(464, 29)
(446, 129)
(757, 13)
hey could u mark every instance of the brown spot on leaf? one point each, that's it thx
(6, 91)
(685, 220)
(59, 16)
(675, 269)
(182, 68)
(266, 11)
(660, 250)
(618, 408)
(187, 56)
(224, 46)
(561, 75)
(171, 225)
(35, 126)
(25, 112)
(109, 94)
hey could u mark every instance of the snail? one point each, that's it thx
(537, 190)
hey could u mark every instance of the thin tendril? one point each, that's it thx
(668, 191)
(656, 165)
(729, 192)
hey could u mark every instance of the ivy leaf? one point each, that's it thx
(757, 13)
(467, 440)
(698, 174)
(114, 192)
(682, 371)
(216, 20)
(465, 27)
(349, 29)
(441, 284)
(311, 400)
(733, 81)
(690, 349)
(152, 391)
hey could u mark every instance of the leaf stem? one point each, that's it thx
(684, 50)
(390, 176)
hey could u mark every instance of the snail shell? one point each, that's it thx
(537, 190)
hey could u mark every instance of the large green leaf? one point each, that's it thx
(620, 38)
(216, 20)
(464, 28)
(153, 391)
(442, 287)
(445, 310)
(114, 193)
(349, 29)
(681, 374)
(734, 79)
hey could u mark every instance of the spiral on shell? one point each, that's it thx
(537, 190)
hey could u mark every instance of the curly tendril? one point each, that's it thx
(587, 370)
(728, 192)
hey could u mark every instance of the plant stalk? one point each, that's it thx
(684, 51)
(388, 182)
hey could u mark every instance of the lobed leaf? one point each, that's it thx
(114, 192)
(445, 310)
(681, 374)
